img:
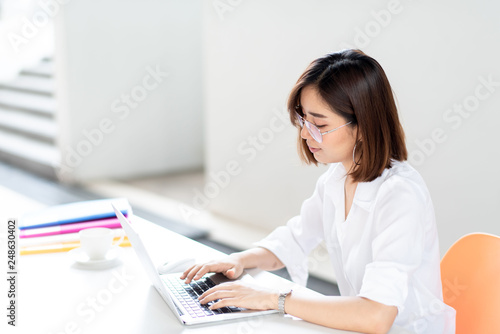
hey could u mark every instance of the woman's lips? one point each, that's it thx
(313, 150)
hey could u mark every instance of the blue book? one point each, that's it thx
(74, 213)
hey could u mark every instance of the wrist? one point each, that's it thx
(282, 299)
(244, 258)
(238, 258)
(274, 300)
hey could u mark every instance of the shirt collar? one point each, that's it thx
(366, 192)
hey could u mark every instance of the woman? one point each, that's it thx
(371, 208)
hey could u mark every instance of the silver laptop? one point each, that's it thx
(183, 298)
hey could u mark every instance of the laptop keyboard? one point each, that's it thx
(188, 294)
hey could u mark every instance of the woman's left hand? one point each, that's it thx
(241, 294)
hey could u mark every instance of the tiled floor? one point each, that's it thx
(177, 187)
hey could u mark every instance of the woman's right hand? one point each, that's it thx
(230, 266)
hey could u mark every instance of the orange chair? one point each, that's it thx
(470, 274)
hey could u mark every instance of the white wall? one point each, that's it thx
(434, 53)
(106, 51)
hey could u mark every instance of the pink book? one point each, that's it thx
(69, 228)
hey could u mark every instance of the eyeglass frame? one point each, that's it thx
(309, 125)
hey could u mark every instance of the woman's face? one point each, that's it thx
(338, 145)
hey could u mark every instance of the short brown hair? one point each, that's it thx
(356, 88)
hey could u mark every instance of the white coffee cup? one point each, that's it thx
(97, 241)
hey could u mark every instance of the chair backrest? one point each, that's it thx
(470, 274)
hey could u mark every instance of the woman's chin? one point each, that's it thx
(320, 159)
(324, 160)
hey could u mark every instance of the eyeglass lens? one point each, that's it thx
(314, 131)
(311, 128)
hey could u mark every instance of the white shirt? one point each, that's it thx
(386, 250)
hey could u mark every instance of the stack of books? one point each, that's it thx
(55, 229)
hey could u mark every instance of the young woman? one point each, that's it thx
(372, 209)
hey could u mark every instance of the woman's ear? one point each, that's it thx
(357, 133)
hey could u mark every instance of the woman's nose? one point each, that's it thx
(304, 133)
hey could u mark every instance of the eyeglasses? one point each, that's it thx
(313, 129)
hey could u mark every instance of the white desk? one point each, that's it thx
(56, 297)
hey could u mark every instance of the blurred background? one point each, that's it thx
(180, 105)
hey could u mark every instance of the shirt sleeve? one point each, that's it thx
(400, 214)
(293, 242)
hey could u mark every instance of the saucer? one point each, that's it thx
(82, 260)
